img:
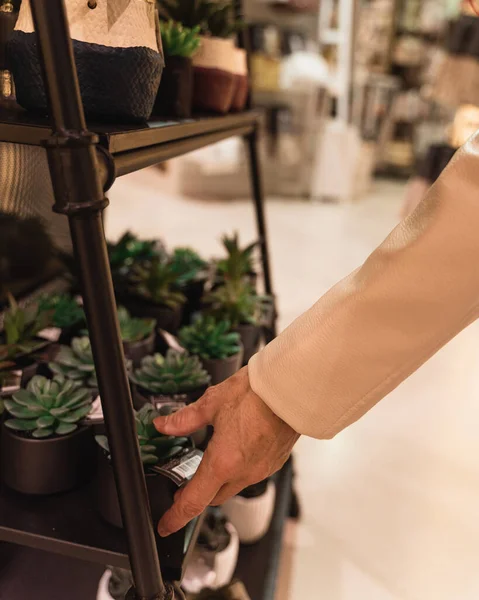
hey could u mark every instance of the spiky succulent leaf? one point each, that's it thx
(154, 446)
(48, 407)
(177, 373)
(21, 325)
(75, 362)
(155, 281)
(64, 309)
(187, 265)
(239, 262)
(179, 40)
(210, 339)
(235, 302)
(130, 250)
(133, 329)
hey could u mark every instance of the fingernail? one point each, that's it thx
(163, 531)
(161, 422)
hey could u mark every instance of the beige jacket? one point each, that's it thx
(414, 293)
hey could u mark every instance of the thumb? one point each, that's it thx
(187, 420)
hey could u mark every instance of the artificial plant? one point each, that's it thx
(20, 326)
(175, 373)
(210, 339)
(48, 407)
(187, 265)
(154, 446)
(64, 309)
(236, 302)
(133, 329)
(75, 362)
(239, 262)
(154, 280)
(179, 40)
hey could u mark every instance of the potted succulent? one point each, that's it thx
(251, 511)
(66, 314)
(237, 302)
(239, 262)
(45, 448)
(175, 95)
(155, 448)
(19, 341)
(218, 347)
(214, 63)
(176, 375)
(138, 335)
(217, 548)
(152, 294)
(191, 276)
(75, 362)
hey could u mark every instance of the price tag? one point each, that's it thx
(52, 334)
(172, 341)
(11, 382)
(181, 469)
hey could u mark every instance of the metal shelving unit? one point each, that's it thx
(84, 163)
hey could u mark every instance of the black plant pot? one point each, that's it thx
(194, 292)
(161, 492)
(175, 94)
(220, 369)
(50, 466)
(166, 318)
(251, 339)
(136, 351)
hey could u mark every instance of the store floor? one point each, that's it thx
(390, 506)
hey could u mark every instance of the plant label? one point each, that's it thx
(52, 334)
(181, 469)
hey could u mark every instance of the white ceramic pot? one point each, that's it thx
(251, 516)
(116, 52)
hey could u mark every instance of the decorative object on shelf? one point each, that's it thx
(45, 449)
(218, 347)
(214, 63)
(152, 294)
(19, 339)
(75, 362)
(252, 510)
(118, 61)
(175, 95)
(215, 556)
(240, 97)
(66, 314)
(177, 375)
(138, 336)
(237, 302)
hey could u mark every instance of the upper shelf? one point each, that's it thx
(23, 128)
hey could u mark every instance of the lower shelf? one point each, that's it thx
(69, 524)
(258, 564)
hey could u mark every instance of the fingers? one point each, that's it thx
(228, 491)
(193, 499)
(189, 419)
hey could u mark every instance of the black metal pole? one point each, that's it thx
(78, 193)
(258, 197)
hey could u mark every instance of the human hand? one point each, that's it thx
(249, 444)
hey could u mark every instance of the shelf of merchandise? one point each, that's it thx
(83, 159)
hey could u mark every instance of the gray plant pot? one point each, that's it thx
(220, 369)
(136, 351)
(251, 336)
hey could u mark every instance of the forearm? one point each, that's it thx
(376, 327)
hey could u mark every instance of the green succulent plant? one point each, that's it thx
(48, 407)
(75, 362)
(20, 326)
(236, 302)
(154, 446)
(155, 281)
(187, 265)
(210, 339)
(175, 373)
(130, 250)
(221, 23)
(191, 13)
(179, 40)
(133, 329)
(239, 262)
(64, 309)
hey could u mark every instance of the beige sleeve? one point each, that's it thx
(376, 327)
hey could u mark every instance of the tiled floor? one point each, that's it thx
(390, 506)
